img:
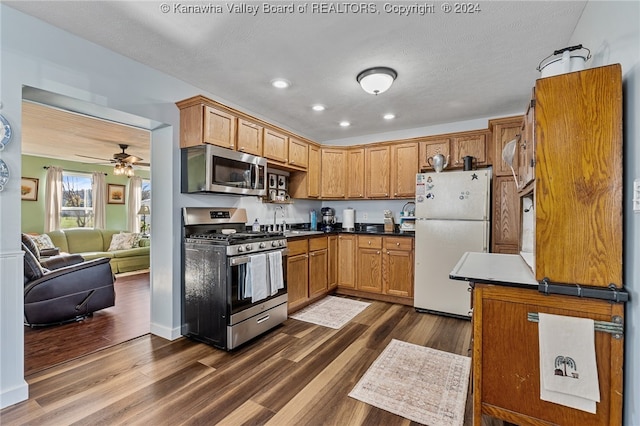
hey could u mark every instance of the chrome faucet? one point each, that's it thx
(275, 214)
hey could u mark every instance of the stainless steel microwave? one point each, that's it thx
(209, 168)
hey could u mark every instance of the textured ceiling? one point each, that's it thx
(451, 67)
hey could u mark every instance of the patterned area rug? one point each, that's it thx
(331, 311)
(424, 385)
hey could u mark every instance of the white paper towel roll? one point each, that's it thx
(348, 219)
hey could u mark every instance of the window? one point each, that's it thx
(77, 202)
(146, 192)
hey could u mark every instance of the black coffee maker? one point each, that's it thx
(328, 219)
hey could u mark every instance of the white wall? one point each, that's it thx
(612, 31)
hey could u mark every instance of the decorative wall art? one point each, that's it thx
(115, 194)
(29, 189)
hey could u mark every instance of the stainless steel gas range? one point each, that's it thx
(234, 281)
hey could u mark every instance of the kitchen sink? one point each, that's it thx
(297, 232)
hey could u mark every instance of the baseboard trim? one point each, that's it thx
(165, 332)
(14, 395)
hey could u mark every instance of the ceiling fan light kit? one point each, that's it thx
(376, 80)
(123, 169)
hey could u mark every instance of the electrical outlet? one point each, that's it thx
(636, 195)
(365, 216)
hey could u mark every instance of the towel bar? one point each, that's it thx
(616, 327)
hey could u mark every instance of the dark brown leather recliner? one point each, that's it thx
(65, 288)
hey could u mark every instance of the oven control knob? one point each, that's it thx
(240, 249)
(274, 244)
(248, 247)
(262, 245)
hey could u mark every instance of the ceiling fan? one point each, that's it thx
(120, 158)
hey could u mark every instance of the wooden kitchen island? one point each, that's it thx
(506, 365)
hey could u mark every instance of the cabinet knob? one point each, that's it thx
(388, 253)
(292, 162)
(378, 252)
(369, 242)
(386, 194)
(397, 244)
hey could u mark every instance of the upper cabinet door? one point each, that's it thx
(249, 137)
(432, 147)
(219, 128)
(333, 173)
(404, 166)
(276, 146)
(298, 153)
(355, 174)
(377, 163)
(313, 172)
(474, 145)
(505, 131)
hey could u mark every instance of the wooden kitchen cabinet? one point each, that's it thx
(430, 147)
(503, 131)
(377, 169)
(333, 173)
(347, 255)
(249, 137)
(474, 144)
(397, 266)
(298, 153)
(506, 362)
(356, 173)
(318, 266)
(298, 273)
(369, 269)
(306, 184)
(505, 223)
(200, 123)
(404, 166)
(276, 146)
(332, 268)
(526, 145)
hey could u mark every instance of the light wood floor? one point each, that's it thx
(298, 373)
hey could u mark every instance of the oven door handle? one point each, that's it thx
(240, 260)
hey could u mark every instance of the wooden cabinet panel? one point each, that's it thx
(219, 128)
(506, 213)
(318, 243)
(297, 247)
(298, 153)
(313, 172)
(397, 266)
(474, 145)
(276, 146)
(504, 131)
(333, 173)
(355, 173)
(431, 147)
(347, 246)
(377, 167)
(297, 279)
(365, 241)
(318, 263)
(578, 177)
(506, 361)
(249, 137)
(404, 166)
(369, 272)
(332, 268)
(526, 146)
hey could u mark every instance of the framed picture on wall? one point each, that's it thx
(115, 194)
(29, 189)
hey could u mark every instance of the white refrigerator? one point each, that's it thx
(452, 217)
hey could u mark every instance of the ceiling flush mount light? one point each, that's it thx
(345, 124)
(376, 80)
(318, 107)
(280, 83)
(389, 116)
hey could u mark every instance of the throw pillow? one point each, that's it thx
(123, 241)
(43, 241)
(32, 268)
(31, 246)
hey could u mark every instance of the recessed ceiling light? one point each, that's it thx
(389, 116)
(345, 124)
(318, 107)
(280, 83)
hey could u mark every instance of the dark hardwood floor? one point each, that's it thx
(128, 319)
(296, 374)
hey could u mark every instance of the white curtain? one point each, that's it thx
(99, 191)
(134, 201)
(52, 199)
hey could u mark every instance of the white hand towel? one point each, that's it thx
(568, 361)
(275, 272)
(258, 271)
(247, 289)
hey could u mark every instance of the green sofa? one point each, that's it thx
(94, 243)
